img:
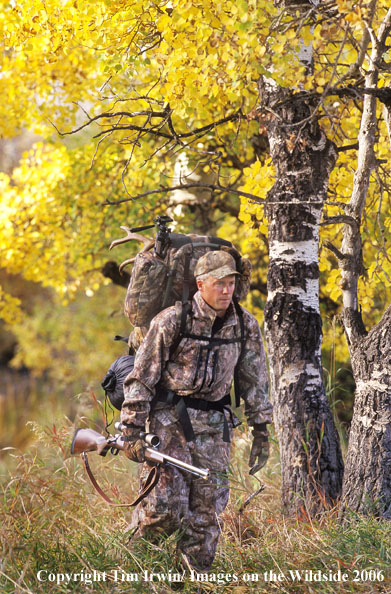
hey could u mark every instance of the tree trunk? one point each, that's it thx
(367, 481)
(311, 460)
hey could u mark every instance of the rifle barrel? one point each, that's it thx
(159, 457)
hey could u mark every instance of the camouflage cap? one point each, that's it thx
(217, 264)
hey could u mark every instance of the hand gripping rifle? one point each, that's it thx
(88, 440)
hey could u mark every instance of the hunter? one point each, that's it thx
(180, 389)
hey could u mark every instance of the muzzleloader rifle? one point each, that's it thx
(88, 440)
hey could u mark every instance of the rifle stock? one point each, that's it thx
(88, 440)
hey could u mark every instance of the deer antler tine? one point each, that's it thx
(131, 260)
(147, 241)
(126, 263)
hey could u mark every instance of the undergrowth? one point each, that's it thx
(54, 526)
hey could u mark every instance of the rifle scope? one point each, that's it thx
(149, 438)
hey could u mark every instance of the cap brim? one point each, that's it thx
(222, 272)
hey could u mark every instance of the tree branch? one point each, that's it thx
(341, 219)
(213, 187)
(347, 147)
(108, 114)
(164, 115)
(339, 255)
(133, 127)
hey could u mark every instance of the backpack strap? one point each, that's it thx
(181, 326)
(186, 279)
(181, 333)
(183, 403)
(239, 311)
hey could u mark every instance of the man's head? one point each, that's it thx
(215, 273)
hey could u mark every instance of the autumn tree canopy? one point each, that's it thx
(147, 81)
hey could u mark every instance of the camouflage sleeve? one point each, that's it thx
(252, 376)
(139, 386)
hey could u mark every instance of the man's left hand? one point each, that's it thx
(259, 449)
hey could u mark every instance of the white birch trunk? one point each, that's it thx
(311, 459)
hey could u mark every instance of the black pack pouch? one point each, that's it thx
(113, 382)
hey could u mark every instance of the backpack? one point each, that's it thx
(157, 283)
(163, 273)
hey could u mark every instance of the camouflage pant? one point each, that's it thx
(182, 501)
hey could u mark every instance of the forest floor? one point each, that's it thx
(58, 535)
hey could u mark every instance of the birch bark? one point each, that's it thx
(311, 460)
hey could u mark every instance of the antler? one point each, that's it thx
(126, 263)
(147, 241)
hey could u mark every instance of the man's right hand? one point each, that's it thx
(134, 445)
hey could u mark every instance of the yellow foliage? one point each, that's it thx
(55, 227)
(259, 179)
(9, 308)
(61, 342)
(202, 59)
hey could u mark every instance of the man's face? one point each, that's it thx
(217, 292)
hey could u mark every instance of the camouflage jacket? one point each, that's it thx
(191, 370)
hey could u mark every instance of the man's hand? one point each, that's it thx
(134, 446)
(259, 449)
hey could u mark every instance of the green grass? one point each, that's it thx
(54, 522)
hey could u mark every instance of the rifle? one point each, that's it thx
(88, 440)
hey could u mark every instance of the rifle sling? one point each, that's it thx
(150, 482)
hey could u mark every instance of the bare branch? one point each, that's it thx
(231, 118)
(347, 147)
(213, 187)
(126, 99)
(151, 130)
(338, 219)
(336, 203)
(334, 250)
(163, 115)
(109, 114)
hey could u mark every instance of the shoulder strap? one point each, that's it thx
(239, 311)
(181, 326)
(186, 279)
(186, 308)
